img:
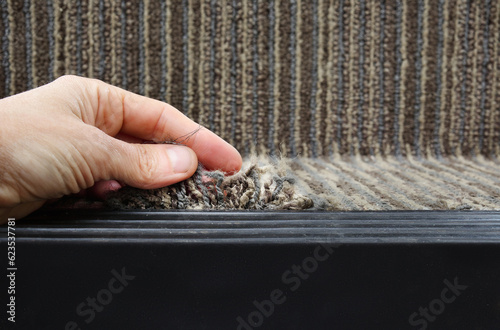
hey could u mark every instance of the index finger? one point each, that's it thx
(115, 110)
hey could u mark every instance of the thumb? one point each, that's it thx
(150, 166)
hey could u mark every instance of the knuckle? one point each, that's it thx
(148, 165)
(67, 79)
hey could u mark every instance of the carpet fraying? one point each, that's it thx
(254, 188)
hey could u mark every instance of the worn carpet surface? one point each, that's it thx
(401, 97)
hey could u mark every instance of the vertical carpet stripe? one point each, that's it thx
(340, 83)
(255, 67)
(372, 84)
(314, 82)
(40, 45)
(153, 51)
(298, 80)
(134, 42)
(361, 78)
(381, 120)
(282, 89)
(193, 59)
(463, 85)
(29, 43)
(419, 80)
(352, 27)
(392, 70)
(70, 37)
(213, 19)
(79, 32)
(203, 65)
(59, 37)
(245, 52)
(17, 47)
(398, 95)
(440, 77)
(115, 49)
(430, 77)
(235, 82)
(146, 49)
(304, 77)
(163, 52)
(293, 75)
(274, 84)
(271, 47)
(185, 57)
(91, 54)
(494, 120)
(123, 36)
(472, 91)
(459, 29)
(141, 43)
(102, 41)
(263, 75)
(6, 47)
(448, 75)
(223, 45)
(175, 55)
(331, 86)
(484, 69)
(322, 77)
(409, 69)
(50, 36)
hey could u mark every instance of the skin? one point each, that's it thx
(78, 134)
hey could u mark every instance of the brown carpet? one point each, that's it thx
(401, 97)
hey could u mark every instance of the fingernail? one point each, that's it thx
(180, 159)
(113, 185)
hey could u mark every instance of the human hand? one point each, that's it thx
(76, 133)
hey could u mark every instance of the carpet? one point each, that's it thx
(343, 184)
(370, 104)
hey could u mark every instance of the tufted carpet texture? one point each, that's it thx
(332, 184)
(347, 105)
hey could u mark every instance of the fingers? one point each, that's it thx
(102, 188)
(145, 166)
(115, 110)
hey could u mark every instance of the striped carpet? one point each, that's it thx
(379, 104)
